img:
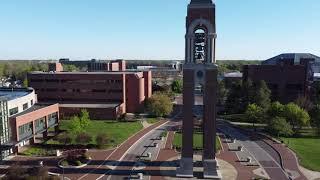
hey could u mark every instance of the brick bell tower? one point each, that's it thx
(200, 78)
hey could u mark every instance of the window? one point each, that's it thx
(13, 111)
(25, 106)
(31, 102)
(99, 90)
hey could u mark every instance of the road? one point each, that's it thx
(259, 151)
(138, 153)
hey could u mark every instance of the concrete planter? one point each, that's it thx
(74, 167)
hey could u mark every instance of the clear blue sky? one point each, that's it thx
(153, 29)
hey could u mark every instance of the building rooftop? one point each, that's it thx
(233, 75)
(14, 93)
(295, 56)
(31, 109)
(111, 105)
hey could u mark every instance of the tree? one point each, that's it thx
(102, 140)
(280, 127)
(304, 103)
(254, 114)
(315, 117)
(25, 83)
(222, 93)
(159, 105)
(83, 138)
(235, 99)
(70, 68)
(75, 126)
(296, 116)
(16, 172)
(275, 109)
(262, 95)
(80, 124)
(177, 86)
(84, 119)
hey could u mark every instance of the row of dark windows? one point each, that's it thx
(81, 90)
(109, 81)
(82, 100)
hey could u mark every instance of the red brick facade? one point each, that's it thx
(292, 84)
(30, 117)
(125, 90)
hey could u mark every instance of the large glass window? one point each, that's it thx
(39, 124)
(13, 111)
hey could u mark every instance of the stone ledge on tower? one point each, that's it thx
(211, 169)
(186, 168)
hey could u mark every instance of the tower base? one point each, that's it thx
(211, 169)
(186, 168)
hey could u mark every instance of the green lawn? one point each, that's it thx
(197, 141)
(116, 131)
(307, 148)
(152, 120)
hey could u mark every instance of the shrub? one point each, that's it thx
(78, 163)
(64, 163)
(83, 138)
(102, 140)
(64, 138)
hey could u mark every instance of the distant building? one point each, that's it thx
(232, 77)
(22, 119)
(95, 65)
(311, 61)
(106, 95)
(100, 66)
(286, 82)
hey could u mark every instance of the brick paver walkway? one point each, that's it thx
(289, 161)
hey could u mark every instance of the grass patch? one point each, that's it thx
(307, 148)
(38, 151)
(116, 131)
(152, 120)
(197, 141)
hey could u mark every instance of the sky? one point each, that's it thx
(153, 29)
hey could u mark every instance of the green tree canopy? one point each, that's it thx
(254, 114)
(70, 68)
(276, 109)
(79, 124)
(159, 105)
(262, 95)
(177, 86)
(296, 116)
(280, 127)
(315, 117)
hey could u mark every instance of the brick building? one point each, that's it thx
(106, 95)
(286, 82)
(22, 119)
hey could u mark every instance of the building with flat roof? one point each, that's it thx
(22, 119)
(106, 95)
(286, 82)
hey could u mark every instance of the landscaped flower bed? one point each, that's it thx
(75, 158)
